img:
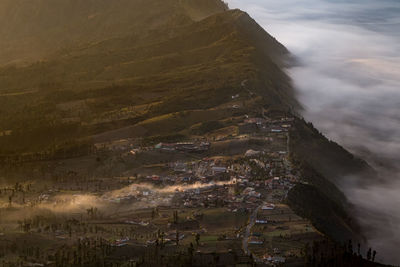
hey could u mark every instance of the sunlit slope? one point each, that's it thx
(182, 65)
(31, 29)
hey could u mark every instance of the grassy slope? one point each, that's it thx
(184, 65)
(31, 29)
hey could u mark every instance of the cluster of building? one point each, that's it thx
(220, 196)
(237, 183)
(241, 192)
(133, 147)
(253, 125)
(184, 146)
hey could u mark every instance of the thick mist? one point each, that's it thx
(348, 80)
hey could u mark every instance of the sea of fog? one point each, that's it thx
(348, 81)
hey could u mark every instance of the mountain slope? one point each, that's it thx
(32, 29)
(173, 68)
(154, 70)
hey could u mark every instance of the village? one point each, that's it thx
(221, 194)
(254, 182)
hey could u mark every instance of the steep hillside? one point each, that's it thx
(32, 29)
(336, 164)
(182, 66)
(324, 166)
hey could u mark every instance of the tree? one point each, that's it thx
(350, 247)
(177, 238)
(162, 239)
(191, 250)
(175, 217)
(369, 254)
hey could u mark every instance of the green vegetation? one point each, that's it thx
(207, 127)
(326, 215)
(321, 164)
(182, 62)
(325, 157)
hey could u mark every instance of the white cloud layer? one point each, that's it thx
(349, 84)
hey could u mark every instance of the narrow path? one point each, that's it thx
(252, 221)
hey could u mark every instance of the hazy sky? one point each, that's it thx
(349, 84)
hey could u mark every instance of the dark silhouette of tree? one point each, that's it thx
(177, 238)
(350, 247)
(191, 249)
(369, 253)
(175, 217)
